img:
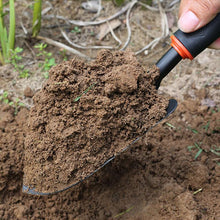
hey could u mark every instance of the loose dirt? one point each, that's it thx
(86, 114)
(157, 178)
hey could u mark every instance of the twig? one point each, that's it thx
(77, 45)
(28, 46)
(113, 34)
(83, 47)
(128, 24)
(165, 31)
(148, 6)
(99, 10)
(150, 45)
(63, 46)
(169, 8)
(173, 3)
(88, 23)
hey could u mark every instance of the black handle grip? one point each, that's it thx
(199, 40)
(194, 42)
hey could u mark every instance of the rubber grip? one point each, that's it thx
(199, 40)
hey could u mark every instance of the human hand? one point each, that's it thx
(194, 14)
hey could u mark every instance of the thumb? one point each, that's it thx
(194, 14)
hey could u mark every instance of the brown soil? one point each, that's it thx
(158, 177)
(86, 114)
(155, 179)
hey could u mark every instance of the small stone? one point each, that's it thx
(28, 92)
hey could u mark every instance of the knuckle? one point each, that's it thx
(211, 6)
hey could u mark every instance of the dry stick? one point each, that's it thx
(173, 3)
(171, 6)
(113, 34)
(88, 23)
(99, 10)
(165, 31)
(128, 24)
(63, 46)
(28, 46)
(83, 47)
(77, 45)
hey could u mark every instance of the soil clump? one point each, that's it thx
(157, 178)
(87, 113)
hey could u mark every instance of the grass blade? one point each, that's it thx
(11, 36)
(198, 153)
(36, 17)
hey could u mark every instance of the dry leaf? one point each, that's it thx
(105, 29)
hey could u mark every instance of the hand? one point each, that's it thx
(194, 14)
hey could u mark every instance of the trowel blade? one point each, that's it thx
(26, 189)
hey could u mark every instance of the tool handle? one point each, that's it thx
(188, 45)
(199, 40)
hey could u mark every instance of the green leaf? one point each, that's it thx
(11, 36)
(198, 153)
(18, 50)
(46, 75)
(5, 94)
(170, 125)
(84, 92)
(36, 23)
(6, 101)
(190, 148)
(21, 104)
(119, 2)
(51, 62)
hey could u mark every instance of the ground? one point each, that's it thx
(172, 173)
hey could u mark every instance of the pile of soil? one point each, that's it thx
(157, 178)
(85, 114)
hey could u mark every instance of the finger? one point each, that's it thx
(194, 14)
(216, 44)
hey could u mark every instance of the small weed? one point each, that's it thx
(196, 145)
(16, 104)
(170, 125)
(215, 150)
(118, 2)
(206, 127)
(48, 62)
(197, 191)
(193, 130)
(76, 30)
(4, 97)
(90, 87)
(122, 213)
(15, 58)
(63, 54)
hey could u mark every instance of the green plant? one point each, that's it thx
(122, 213)
(196, 146)
(14, 60)
(170, 125)
(48, 62)
(16, 103)
(84, 92)
(36, 24)
(215, 150)
(76, 30)
(206, 127)
(4, 98)
(193, 130)
(118, 2)
(7, 39)
(62, 52)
